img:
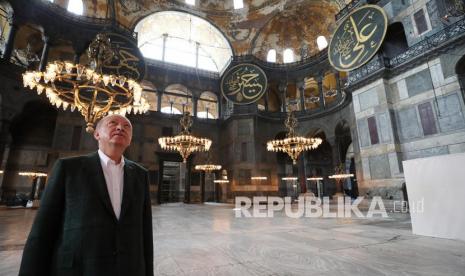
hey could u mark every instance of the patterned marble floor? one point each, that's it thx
(209, 240)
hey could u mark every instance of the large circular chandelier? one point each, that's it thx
(208, 166)
(184, 142)
(293, 145)
(88, 89)
(339, 173)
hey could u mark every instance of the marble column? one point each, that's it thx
(195, 102)
(301, 87)
(283, 90)
(219, 107)
(320, 92)
(302, 173)
(159, 99)
(202, 186)
(336, 161)
(338, 86)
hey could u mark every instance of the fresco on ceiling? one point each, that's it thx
(255, 24)
(297, 29)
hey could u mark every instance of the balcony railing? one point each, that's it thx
(422, 49)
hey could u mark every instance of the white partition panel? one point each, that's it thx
(436, 193)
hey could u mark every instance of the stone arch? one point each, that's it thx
(32, 133)
(207, 105)
(176, 99)
(28, 45)
(395, 41)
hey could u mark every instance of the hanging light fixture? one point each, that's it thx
(340, 174)
(32, 174)
(87, 88)
(184, 142)
(293, 145)
(208, 166)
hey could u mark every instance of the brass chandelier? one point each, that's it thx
(184, 142)
(339, 173)
(88, 89)
(293, 145)
(208, 166)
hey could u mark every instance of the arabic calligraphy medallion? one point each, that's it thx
(127, 59)
(358, 38)
(244, 83)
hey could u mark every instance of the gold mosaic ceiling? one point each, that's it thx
(259, 26)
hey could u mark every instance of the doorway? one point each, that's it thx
(172, 186)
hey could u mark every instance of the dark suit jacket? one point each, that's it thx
(76, 231)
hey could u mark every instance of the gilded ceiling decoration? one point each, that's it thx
(261, 23)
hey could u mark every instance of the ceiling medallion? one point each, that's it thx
(184, 142)
(292, 145)
(87, 88)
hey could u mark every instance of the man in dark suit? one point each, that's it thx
(95, 215)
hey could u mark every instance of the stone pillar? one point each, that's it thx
(195, 101)
(159, 98)
(187, 187)
(10, 43)
(336, 161)
(219, 106)
(301, 87)
(44, 56)
(5, 156)
(165, 36)
(320, 92)
(283, 90)
(338, 86)
(302, 174)
(202, 187)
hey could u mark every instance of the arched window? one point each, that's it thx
(184, 39)
(76, 6)
(176, 98)
(321, 42)
(207, 106)
(238, 4)
(271, 56)
(288, 56)
(170, 110)
(190, 2)
(395, 41)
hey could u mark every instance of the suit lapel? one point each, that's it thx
(128, 187)
(96, 173)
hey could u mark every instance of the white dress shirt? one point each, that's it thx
(114, 177)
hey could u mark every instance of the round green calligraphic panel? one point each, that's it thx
(358, 38)
(244, 83)
(127, 60)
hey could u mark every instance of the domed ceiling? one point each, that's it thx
(259, 26)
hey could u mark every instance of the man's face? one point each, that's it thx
(114, 130)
